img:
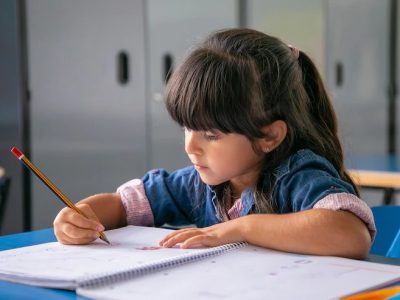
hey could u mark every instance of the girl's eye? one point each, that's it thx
(209, 136)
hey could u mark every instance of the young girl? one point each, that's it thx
(268, 168)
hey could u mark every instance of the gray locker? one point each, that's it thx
(300, 23)
(87, 124)
(90, 132)
(12, 117)
(173, 27)
(358, 62)
(357, 72)
(397, 80)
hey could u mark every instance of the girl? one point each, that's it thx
(268, 168)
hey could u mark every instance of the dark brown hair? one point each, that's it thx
(239, 80)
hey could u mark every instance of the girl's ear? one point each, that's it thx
(275, 133)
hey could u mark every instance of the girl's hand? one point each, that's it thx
(72, 228)
(216, 235)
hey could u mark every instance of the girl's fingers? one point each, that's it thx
(198, 241)
(89, 221)
(67, 240)
(179, 237)
(172, 234)
(71, 227)
(77, 233)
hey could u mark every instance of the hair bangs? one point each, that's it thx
(209, 92)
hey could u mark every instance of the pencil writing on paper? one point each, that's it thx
(150, 248)
(17, 153)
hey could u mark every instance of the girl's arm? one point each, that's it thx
(103, 211)
(314, 231)
(108, 208)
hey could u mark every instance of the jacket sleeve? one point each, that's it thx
(173, 198)
(308, 181)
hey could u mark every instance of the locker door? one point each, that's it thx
(357, 72)
(87, 78)
(397, 82)
(173, 27)
(300, 23)
(12, 97)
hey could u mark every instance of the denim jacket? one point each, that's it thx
(181, 198)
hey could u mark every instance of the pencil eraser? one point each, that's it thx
(18, 154)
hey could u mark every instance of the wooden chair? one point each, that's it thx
(394, 250)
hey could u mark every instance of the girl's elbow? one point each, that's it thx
(361, 252)
(360, 244)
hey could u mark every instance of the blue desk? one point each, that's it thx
(20, 291)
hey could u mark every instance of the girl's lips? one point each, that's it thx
(199, 167)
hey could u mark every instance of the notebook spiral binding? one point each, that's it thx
(110, 278)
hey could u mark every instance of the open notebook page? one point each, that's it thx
(64, 266)
(254, 273)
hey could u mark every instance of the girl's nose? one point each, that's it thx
(191, 142)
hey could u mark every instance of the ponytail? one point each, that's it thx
(323, 114)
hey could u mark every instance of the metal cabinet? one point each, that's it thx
(300, 23)
(97, 75)
(12, 98)
(173, 27)
(360, 78)
(88, 103)
(396, 48)
(97, 71)
(357, 72)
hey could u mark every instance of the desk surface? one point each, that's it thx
(375, 171)
(20, 291)
(376, 179)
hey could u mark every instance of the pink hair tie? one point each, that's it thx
(295, 51)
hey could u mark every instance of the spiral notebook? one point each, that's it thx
(133, 252)
(135, 266)
(254, 273)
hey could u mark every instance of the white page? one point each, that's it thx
(254, 273)
(57, 265)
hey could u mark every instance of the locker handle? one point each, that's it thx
(168, 66)
(123, 67)
(339, 74)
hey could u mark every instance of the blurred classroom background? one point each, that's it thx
(81, 87)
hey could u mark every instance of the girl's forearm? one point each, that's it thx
(314, 231)
(108, 208)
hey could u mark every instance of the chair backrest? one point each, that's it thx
(4, 187)
(387, 220)
(394, 250)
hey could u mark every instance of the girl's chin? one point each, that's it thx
(208, 180)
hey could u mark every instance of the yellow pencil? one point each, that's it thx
(50, 185)
(380, 294)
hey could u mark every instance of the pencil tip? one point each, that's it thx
(104, 238)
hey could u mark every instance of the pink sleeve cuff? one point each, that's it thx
(136, 204)
(349, 202)
(234, 211)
